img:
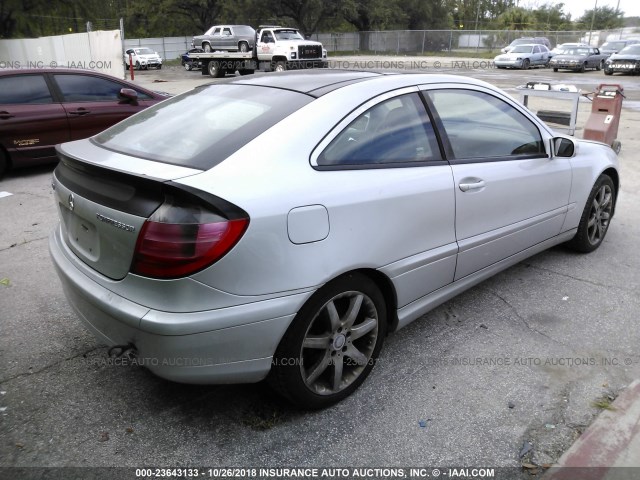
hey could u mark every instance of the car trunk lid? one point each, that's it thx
(103, 202)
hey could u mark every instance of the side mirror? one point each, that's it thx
(128, 95)
(563, 147)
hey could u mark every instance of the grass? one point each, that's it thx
(604, 403)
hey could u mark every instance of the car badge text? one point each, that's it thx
(115, 223)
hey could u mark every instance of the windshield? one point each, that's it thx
(614, 45)
(288, 35)
(522, 49)
(144, 51)
(520, 41)
(202, 127)
(631, 50)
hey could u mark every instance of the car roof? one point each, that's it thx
(316, 83)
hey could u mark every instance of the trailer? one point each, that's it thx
(276, 49)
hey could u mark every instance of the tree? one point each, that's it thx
(517, 18)
(307, 14)
(552, 17)
(605, 18)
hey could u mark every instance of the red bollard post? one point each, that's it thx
(131, 66)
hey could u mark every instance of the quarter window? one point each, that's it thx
(24, 89)
(480, 125)
(395, 131)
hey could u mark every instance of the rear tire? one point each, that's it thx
(243, 47)
(596, 216)
(214, 69)
(332, 344)
(555, 70)
(188, 66)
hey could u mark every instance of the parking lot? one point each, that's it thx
(520, 359)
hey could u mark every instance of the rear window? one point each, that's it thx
(201, 128)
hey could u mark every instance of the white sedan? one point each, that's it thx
(524, 57)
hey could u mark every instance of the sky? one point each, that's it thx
(576, 8)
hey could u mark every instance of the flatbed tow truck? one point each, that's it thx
(276, 49)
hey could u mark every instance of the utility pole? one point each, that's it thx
(593, 17)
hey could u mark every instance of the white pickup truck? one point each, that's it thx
(277, 48)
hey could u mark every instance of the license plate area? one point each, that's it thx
(83, 237)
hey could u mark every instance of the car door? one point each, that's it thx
(32, 121)
(92, 102)
(408, 205)
(228, 41)
(510, 195)
(266, 45)
(216, 39)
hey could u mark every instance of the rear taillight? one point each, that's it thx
(184, 237)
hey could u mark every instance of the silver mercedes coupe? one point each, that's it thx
(280, 226)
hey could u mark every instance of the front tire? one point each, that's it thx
(608, 72)
(332, 344)
(555, 70)
(600, 66)
(137, 67)
(526, 64)
(280, 66)
(596, 216)
(207, 48)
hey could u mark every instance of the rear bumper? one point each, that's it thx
(239, 353)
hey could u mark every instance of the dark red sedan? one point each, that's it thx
(41, 108)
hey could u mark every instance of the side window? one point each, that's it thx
(226, 31)
(86, 88)
(394, 131)
(24, 89)
(216, 32)
(480, 125)
(267, 37)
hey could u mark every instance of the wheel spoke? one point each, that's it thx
(605, 216)
(592, 221)
(595, 204)
(354, 309)
(356, 355)
(338, 363)
(363, 328)
(319, 368)
(334, 318)
(319, 341)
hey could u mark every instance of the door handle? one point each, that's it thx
(80, 111)
(6, 115)
(465, 187)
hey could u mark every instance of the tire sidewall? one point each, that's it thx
(581, 241)
(288, 378)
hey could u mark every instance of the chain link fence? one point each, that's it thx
(169, 48)
(426, 41)
(404, 42)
